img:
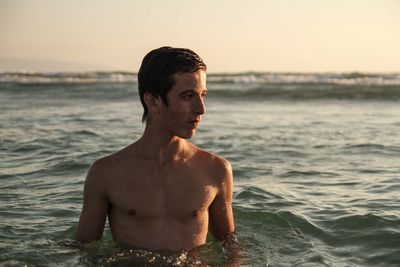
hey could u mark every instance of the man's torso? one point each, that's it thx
(153, 206)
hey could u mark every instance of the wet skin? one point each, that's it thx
(162, 192)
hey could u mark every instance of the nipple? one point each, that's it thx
(195, 213)
(131, 212)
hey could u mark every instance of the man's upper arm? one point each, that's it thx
(220, 211)
(95, 204)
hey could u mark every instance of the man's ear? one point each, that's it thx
(152, 102)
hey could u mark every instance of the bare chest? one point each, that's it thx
(155, 194)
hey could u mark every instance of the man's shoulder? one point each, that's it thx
(112, 160)
(111, 163)
(215, 163)
(102, 166)
(223, 168)
(103, 163)
(219, 170)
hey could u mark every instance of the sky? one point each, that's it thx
(230, 35)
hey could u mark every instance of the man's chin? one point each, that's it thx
(188, 135)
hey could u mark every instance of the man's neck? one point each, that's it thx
(162, 147)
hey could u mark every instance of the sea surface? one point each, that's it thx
(316, 160)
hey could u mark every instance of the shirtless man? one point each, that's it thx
(162, 192)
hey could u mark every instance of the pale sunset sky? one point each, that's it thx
(230, 35)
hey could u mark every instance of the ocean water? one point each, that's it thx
(316, 161)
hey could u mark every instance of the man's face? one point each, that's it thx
(185, 103)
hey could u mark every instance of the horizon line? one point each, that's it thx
(31, 71)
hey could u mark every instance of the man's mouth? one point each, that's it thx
(194, 123)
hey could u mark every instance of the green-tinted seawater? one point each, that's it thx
(316, 180)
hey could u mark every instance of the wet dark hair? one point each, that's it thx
(158, 66)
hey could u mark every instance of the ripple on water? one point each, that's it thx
(374, 149)
(363, 234)
(282, 238)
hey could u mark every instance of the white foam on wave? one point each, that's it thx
(305, 78)
(67, 77)
(379, 79)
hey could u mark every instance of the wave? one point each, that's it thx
(68, 77)
(354, 78)
(308, 92)
(238, 87)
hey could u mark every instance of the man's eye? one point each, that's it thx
(187, 96)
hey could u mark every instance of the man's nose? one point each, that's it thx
(200, 107)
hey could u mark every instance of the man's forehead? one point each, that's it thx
(189, 75)
(190, 79)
